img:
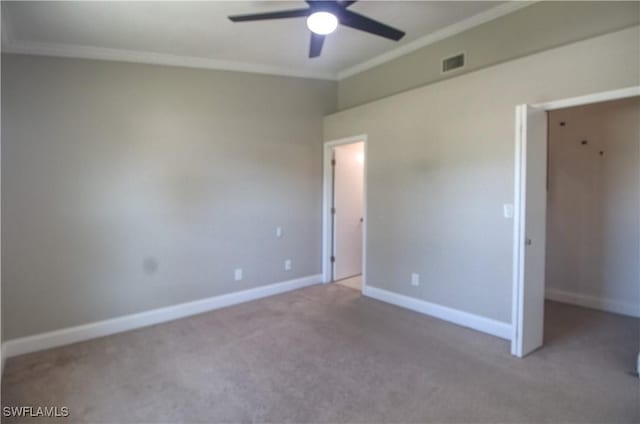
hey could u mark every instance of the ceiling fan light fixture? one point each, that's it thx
(322, 23)
(323, 17)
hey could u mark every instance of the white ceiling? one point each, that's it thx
(199, 33)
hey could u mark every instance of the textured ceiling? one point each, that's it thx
(201, 32)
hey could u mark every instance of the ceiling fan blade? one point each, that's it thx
(315, 47)
(358, 21)
(321, 3)
(283, 14)
(346, 3)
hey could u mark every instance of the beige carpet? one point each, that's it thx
(353, 282)
(325, 354)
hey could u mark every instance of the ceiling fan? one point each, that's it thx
(323, 18)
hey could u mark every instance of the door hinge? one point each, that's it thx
(333, 162)
(333, 259)
(333, 210)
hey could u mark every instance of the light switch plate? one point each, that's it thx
(237, 274)
(507, 210)
(415, 279)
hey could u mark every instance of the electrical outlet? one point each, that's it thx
(279, 232)
(287, 265)
(237, 274)
(415, 279)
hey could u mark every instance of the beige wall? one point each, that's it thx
(533, 29)
(440, 167)
(593, 224)
(129, 187)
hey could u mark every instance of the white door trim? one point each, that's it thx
(518, 234)
(604, 96)
(326, 206)
(519, 203)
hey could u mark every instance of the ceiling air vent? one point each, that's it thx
(452, 63)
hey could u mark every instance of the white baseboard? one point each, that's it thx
(155, 316)
(465, 319)
(593, 302)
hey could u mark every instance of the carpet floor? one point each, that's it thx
(324, 354)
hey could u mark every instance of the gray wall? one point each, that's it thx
(129, 187)
(440, 167)
(593, 219)
(535, 28)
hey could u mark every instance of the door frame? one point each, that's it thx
(520, 173)
(326, 205)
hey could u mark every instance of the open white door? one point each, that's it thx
(529, 229)
(348, 203)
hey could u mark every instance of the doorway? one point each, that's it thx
(538, 260)
(344, 212)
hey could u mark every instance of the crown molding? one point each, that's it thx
(446, 32)
(11, 45)
(121, 55)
